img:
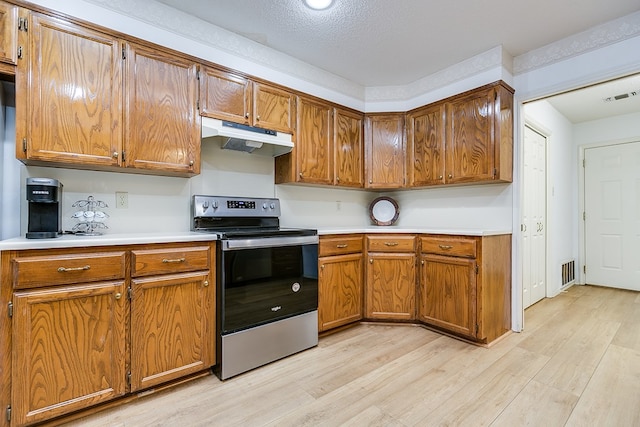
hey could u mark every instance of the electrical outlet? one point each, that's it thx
(122, 200)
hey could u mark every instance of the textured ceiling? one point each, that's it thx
(386, 43)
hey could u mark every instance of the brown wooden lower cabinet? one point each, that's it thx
(465, 285)
(82, 340)
(340, 281)
(391, 277)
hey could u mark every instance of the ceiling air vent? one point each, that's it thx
(621, 96)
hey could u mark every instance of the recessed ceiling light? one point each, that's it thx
(318, 4)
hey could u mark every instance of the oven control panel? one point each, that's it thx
(221, 206)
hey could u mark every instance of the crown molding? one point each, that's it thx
(599, 36)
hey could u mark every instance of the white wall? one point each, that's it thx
(619, 128)
(10, 171)
(562, 189)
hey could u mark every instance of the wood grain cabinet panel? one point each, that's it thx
(68, 349)
(391, 243)
(340, 245)
(479, 138)
(314, 142)
(273, 108)
(340, 290)
(162, 121)
(391, 283)
(8, 32)
(465, 285)
(426, 146)
(146, 262)
(225, 96)
(70, 112)
(348, 147)
(172, 328)
(384, 151)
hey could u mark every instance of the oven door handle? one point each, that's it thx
(268, 242)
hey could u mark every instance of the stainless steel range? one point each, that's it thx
(267, 276)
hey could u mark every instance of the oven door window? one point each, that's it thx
(262, 285)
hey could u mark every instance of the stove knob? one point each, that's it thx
(264, 206)
(214, 204)
(272, 206)
(205, 206)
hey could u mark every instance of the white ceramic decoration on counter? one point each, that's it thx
(384, 211)
(90, 218)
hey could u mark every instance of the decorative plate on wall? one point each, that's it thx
(384, 211)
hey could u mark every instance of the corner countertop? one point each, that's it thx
(415, 230)
(74, 241)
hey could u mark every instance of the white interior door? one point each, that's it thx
(534, 218)
(612, 215)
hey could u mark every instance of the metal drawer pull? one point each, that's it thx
(118, 295)
(206, 283)
(65, 269)
(177, 260)
(391, 243)
(446, 247)
(342, 246)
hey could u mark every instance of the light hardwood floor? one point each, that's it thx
(576, 364)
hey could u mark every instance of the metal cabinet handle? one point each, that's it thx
(440, 177)
(422, 262)
(206, 283)
(66, 269)
(190, 162)
(370, 261)
(118, 295)
(370, 181)
(450, 176)
(391, 243)
(246, 115)
(337, 178)
(173, 261)
(115, 155)
(300, 175)
(257, 118)
(322, 266)
(445, 247)
(342, 246)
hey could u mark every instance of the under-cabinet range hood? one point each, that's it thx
(234, 136)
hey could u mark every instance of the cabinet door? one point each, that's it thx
(426, 145)
(391, 284)
(348, 148)
(172, 328)
(273, 108)
(74, 96)
(225, 96)
(8, 32)
(339, 291)
(68, 349)
(448, 293)
(470, 142)
(162, 121)
(384, 142)
(314, 142)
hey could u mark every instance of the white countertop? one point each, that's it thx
(73, 241)
(416, 230)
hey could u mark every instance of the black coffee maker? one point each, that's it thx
(45, 208)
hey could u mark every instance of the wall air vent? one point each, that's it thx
(621, 96)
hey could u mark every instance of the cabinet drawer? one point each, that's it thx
(169, 260)
(49, 270)
(339, 245)
(391, 243)
(452, 246)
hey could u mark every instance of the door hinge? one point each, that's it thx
(584, 216)
(19, 52)
(495, 173)
(24, 144)
(129, 379)
(130, 293)
(124, 157)
(198, 75)
(477, 328)
(584, 269)
(124, 53)
(477, 269)
(10, 309)
(198, 105)
(583, 162)
(23, 24)
(9, 413)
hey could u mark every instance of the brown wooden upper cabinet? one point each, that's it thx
(480, 135)
(162, 124)
(384, 150)
(328, 146)
(467, 138)
(233, 97)
(426, 145)
(8, 32)
(71, 105)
